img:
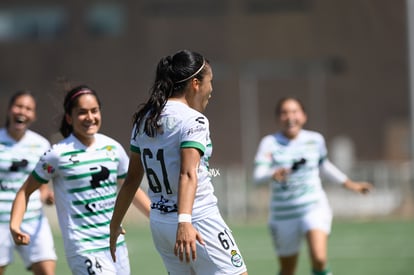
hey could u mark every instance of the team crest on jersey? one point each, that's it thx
(110, 153)
(236, 259)
(48, 168)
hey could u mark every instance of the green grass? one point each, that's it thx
(355, 247)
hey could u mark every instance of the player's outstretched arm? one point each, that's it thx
(359, 187)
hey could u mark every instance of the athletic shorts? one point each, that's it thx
(101, 263)
(287, 234)
(219, 256)
(41, 246)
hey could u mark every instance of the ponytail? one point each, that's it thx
(171, 77)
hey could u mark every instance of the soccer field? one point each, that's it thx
(355, 247)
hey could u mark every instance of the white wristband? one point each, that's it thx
(184, 218)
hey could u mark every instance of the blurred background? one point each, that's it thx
(348, 60)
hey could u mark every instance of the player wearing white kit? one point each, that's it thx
(85, 185)
(299, 193)
(183, 127)
(85, 168)
(173, 150)
(292, 161)
(20, 149)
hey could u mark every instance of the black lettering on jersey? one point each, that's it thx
(99, 176)
(17, 164)
(200, 120)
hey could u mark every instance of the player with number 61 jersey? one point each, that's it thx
(182, 127)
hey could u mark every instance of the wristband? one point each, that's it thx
(184, 218)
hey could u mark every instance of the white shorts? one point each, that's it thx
(101, 263)
(220, 254)
(287, 234)
(40, 248)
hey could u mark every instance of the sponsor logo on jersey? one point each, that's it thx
(18, 165)
(196, 129)
(200, 120)
(102, 174)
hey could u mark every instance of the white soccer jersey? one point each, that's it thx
(302, 188)
(17, 160)
(182, 127)
(85, 185)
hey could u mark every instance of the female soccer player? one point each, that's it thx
(85, 168)
(20, 149)
(171, 144)
(291, 160)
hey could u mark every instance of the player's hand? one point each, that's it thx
(280, 174)
(19, 237)
(360, 187)
(113, 236)
(185, 244)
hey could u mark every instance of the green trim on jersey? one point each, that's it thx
(193, 144)
(123, 176)
(135, 149)
(38, 178)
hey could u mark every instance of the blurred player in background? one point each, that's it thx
(85, 168)
(20, 150)
(171, 143)
(292, 160)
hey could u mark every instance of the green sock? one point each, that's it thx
(324, 272)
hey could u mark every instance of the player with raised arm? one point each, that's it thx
(292, 160)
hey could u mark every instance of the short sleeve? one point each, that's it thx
(123, 162)
(195, 133)
(46, 167)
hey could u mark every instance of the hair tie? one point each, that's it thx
(194, 74)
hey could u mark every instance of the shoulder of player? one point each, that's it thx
(34, 135)
(104, 140)
(309, 134)
(32, 138)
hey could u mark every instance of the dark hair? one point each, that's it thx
(282, 101)
(71, 99)
(13, 99)
(171, 77)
